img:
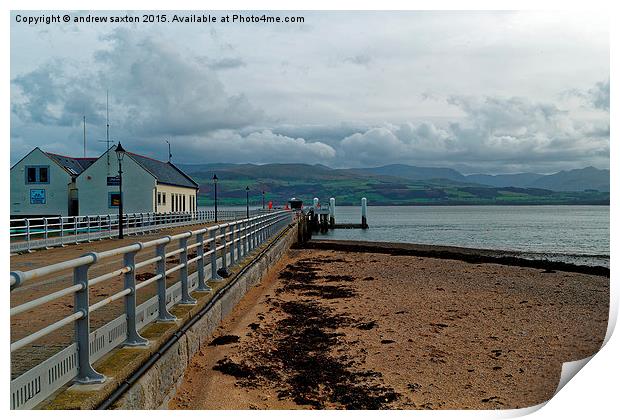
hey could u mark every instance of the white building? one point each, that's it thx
(149, 185)
(43, 184)
(46, 184)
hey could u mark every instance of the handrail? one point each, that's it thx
(27, 234)
(237, 239)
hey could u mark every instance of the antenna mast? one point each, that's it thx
(107, 127)
(169, 152)
(84, 119)
(107, 140)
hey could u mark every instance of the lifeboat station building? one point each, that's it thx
(48, 184)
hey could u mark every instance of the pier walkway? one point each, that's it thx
(46, 286)
(43, 232)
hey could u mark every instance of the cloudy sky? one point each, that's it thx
(477, 91)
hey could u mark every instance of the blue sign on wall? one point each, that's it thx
(37, 196)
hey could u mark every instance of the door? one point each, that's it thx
(74, 207)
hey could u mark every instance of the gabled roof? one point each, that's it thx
(74, 166)
(164, 172)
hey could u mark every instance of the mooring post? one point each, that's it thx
(364, 220)
(332, 212)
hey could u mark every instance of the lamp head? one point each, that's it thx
(120, 151)
(215, 178)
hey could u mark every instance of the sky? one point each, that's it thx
(493, 92)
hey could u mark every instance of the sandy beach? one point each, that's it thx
(361, 330)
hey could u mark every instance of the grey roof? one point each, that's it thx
(164, 172)
(74, 166)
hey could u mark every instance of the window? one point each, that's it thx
(114, 199)
(37, 175)
(163, 198)
(183, 202)
(32, 175)
(158, 198)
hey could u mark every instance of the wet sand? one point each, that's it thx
(361, 330)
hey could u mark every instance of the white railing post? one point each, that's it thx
(86, 373)
(200, 253)
(75, 229)
(252, 235)
(213, 249)
(163, 315)
(246, 232)
(88, 229)
(232, 244)
(45, 233)
(186, 298)
(62, 231)
(238, 225)
(223, 230)
(27, 222)
(134, 339)
(99, 228)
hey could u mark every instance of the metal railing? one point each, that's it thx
(232, 240)
(44, 232)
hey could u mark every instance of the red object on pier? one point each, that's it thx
(270, 205)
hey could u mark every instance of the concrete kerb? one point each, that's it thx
(159, 383)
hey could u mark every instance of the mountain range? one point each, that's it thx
(398, 184)
(589, 178)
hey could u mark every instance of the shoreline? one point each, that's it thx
(472, 255)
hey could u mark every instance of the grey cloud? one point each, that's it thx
(359, 59)
(599, 95)
(52, 97)
(154, 90)
(495, 133)
(256, 147)
(329, 134)
(339, 100)
(227, 64)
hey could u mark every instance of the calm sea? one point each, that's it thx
(578, 234)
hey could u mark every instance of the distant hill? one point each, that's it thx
(395, 185)
(588, 178)
(507, 180)
(416, 173)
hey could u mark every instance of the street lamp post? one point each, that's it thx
(215, 194)
(120, 154)
(247, 202)
(263, 199)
